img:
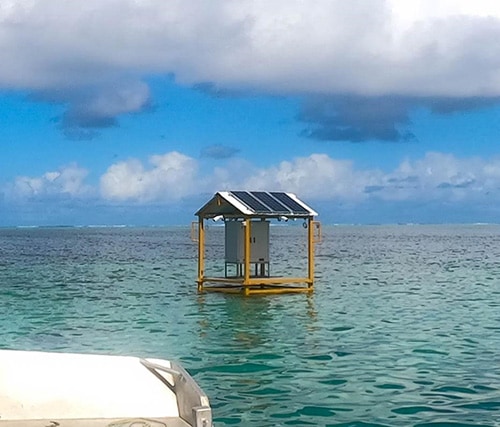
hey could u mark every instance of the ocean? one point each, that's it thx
(403, 328)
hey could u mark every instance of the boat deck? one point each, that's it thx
(116, 422)
(73, 390)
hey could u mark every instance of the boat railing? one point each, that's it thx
(192, 402)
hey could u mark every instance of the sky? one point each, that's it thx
(136, 112)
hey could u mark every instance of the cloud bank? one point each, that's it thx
(68, 182)
(172, 178)
(96, 57)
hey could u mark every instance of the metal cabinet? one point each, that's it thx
(235, 248)
(235, 242)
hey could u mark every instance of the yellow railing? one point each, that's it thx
(194, 231)
(316, 231)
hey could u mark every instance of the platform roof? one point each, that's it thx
(255, 204)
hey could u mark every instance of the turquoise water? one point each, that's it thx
(403, 328)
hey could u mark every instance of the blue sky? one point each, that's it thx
(124, 112)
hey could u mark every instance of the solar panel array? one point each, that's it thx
(286, 199)
(270, 203)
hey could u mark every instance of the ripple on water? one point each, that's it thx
(402, 329)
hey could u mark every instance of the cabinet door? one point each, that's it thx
(259, 241)
(235, 241)
(234, 232)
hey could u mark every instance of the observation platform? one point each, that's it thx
(247, 265)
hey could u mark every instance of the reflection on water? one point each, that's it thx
(247, 323)
(403, 328)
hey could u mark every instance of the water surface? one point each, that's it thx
(403, 328)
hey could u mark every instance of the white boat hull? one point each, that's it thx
(72, 390)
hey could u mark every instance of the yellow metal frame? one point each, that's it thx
(194, 231)
(317, 231)
(256, 285)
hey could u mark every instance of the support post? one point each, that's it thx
(201, 252)
(310, 247)
(247, 251)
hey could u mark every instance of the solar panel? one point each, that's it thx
(291, 204)
(270, 201)
(251, 201)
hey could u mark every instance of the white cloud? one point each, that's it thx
(422, 47)
(98, 107)
(443, 176)
(170, 177)
(317, 176)
(68, 181)
(439, 177)
(435, 177)
(95, 57)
